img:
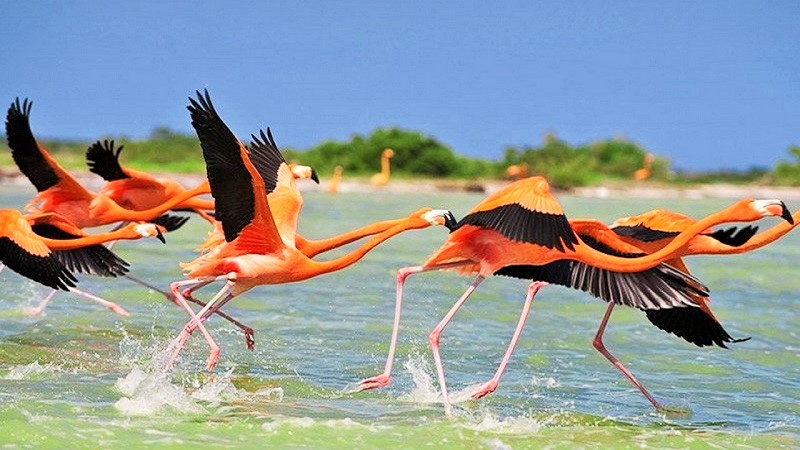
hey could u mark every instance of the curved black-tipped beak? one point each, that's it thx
(450, 221)
(314, 176)
(786, 215)
(160, 236)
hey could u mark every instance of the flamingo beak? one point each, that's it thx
(786, 215)
(160, 235)
(314, 176)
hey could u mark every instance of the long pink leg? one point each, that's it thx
(491, 385)
(433, 338)
(194, 322)
(38, 309)
(384, 378)
(598, 344)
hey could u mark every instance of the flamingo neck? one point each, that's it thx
(615, 263)
(385, 165)
(311, 248)
(115, 213)
(86, 241)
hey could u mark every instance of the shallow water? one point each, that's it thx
(82, 377)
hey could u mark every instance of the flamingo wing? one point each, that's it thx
(693, 325)
(23, 252)
(91, 260)
(239, 191)
(32, 159)
(279, 181)
(524, 211)
(103, 160)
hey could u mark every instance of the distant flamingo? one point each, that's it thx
(134, 189)
(381, 179)
(256, 250)
(47, 248)
(644, 173)
(336, 180)
(521, 231)
(517, 171)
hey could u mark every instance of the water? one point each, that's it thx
(82, 377)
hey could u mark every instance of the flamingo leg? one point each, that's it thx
(194, 322)
(435, 335)
(491, 385)
(110, 305)
(38, 309)
(598, 344)
(384, 378)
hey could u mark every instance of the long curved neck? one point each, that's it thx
(761, 239)
(318, 268)
(312, 248)
(86, 241)
(385, 165)
(116, 213)
(609, 262)
(197, 203)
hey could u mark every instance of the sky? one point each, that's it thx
(710, 85)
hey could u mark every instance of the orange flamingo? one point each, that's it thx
(521, 231)
(258, 249)
(60, 192)
(336, 180)
(517, 171)
(644, 172)
(134, 189)
(381, 178)
(47, 248)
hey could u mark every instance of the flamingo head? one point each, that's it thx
(440, 217)
(772, 208)
(150, 230)
(307, 172)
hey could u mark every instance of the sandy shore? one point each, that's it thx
(632, 190)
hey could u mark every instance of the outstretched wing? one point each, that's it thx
(524, 211)
(239, 191)
(33, 160)
(103, 159)
(279, 181)
(91, 260)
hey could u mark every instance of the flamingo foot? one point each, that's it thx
(33, 310)
(213, 356)
(379, 381)
(488, 387)
(249, 340)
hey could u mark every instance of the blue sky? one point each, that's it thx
(710, 85)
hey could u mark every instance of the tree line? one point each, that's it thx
(418, 155)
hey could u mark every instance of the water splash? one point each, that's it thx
(32, 369)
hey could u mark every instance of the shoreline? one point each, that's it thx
(406, 186)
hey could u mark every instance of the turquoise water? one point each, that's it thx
(82, 377)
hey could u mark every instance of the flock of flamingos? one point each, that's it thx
(519, 231)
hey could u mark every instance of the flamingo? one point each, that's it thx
(521, 231)
(381, 178)
(134, 189)
(644, 173)
(60, 192)
(336, 180)
(258, 249)
(47, 248)
(517, 171)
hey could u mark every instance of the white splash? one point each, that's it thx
(149, 393)
(34, 368)
(423, 391)
(512, 425)
(308, 422)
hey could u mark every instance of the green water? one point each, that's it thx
(82, 377)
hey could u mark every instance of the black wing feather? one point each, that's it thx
(170, 222)
(643, 233)
(266, 158)
(231, 183)
(24, 148)
(733, 236)
(691, 324)
(46, 270)
(103, 160)
(523, 225)
(91, 260)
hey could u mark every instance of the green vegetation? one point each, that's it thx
(418, 155)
